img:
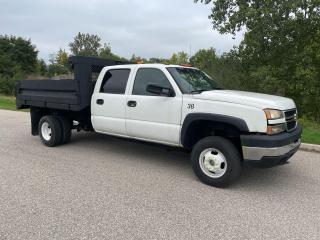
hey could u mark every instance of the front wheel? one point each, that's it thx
(216, 161)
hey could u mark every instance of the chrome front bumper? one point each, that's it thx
(257, 153)
(271, 148)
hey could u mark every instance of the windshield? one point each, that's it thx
(192, 80)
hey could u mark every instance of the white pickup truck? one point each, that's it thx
(166, 104)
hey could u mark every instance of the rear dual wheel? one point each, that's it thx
(66, 129)
(54, 130)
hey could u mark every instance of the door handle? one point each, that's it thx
(100, 101)
(132, 103)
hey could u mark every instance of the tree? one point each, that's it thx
(105, 52)
(279, 36)
(158, 60)
(85, 45)
(42, 67)
(179, 58)
(204, 59)
(90, 45)
(58, 64)
(62, 58)
(17, 53)
(18, 57)
(224, 69)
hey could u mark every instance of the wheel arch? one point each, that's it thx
(198, 125)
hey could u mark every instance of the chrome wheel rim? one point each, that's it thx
(46, 131)
(213, 163)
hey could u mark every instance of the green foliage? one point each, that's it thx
(228, 71)
(7, 102)
(62, 58)
(158, 60)
(58, 64)
(18, 57)
(16, 53)
(85, 44)
(41, 67)
(56, 69)
(281, 47)
(204, 59)
(311, 131)
(105, 52)
(8, 83)
(179, 58)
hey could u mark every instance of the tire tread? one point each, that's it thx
(65, 129)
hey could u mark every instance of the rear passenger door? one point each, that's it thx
(108, 103)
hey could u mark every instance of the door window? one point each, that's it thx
(115, 81)
(147, 76)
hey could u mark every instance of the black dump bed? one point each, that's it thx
(70, 94)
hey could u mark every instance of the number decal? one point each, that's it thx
(190, 106)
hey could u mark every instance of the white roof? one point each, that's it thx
(155, 65)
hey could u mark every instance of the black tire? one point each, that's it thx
(55, 128)
(232, 158)
(65, 129)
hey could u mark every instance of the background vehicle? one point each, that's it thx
(167, 104)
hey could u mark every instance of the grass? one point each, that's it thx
(311, 130)
(7, 102)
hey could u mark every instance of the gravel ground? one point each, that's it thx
(99, 187)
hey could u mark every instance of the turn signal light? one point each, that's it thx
(275, 129)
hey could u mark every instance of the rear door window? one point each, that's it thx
(115, 81)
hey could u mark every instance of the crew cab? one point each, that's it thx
(166, 104)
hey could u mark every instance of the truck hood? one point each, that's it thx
(258, 100)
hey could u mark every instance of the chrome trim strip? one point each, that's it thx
(257, 153)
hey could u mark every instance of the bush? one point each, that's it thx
(7, 84)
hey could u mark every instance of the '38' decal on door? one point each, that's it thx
(190, 106)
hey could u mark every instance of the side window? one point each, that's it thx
(115, 81)
(147, 76)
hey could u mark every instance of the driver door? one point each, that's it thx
(151, 117)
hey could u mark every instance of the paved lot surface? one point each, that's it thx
(98, 187)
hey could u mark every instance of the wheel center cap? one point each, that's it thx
(211, 164)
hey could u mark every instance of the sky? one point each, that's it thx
(146, 28)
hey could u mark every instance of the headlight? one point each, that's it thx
(275, 129)
(273, 114)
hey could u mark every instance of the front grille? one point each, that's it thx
(291, 119)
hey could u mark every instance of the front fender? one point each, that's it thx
(191, 118)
